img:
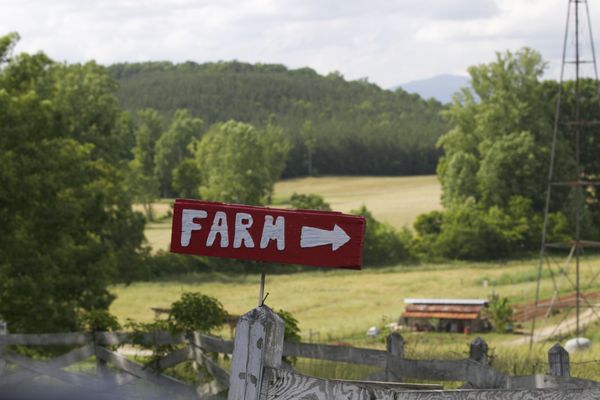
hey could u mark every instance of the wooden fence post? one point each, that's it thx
(258, 344)
(478, 351)
(394, 346)
(3, 331)
(102, 371)
(558, 360)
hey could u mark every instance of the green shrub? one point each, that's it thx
(196, 312)
(500, 312)
(99, 321)
(467, 231)
(309, 202)
(292, 330)
(383, 244)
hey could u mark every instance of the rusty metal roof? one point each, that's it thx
(444, 308)
(440, 315)
(447, 301)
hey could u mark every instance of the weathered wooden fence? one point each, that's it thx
(257, 371)
(113, 371)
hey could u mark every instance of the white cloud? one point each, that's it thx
(388, 41)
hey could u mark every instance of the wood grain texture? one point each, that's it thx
(258, 344)
(287, 385)
(393, 385)
(549, 382)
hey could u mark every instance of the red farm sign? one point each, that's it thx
(319, 238)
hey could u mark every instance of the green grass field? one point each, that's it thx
(395, 200)
(340, 305)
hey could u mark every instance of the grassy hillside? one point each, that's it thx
(395, 200)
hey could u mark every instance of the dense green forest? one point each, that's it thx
(333, 126)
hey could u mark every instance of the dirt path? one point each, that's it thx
(570, 325)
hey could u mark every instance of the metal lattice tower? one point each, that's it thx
(577, 183)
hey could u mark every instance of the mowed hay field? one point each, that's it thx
(395, 200)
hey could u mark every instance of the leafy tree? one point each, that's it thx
(276, 150)
(309, 202)
(66, 225)
(495, 166)
(239, 163)
(141, 179)
(172, 148)
(292, 330)
(310, 142)
(187, 178)
(196, 312)
(500, 312)
(501, 121)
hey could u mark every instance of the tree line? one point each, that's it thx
(333, 126)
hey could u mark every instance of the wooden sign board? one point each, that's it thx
(318, 238)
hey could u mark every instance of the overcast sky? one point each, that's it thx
(389, 42)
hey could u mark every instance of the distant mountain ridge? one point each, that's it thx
(440, 87)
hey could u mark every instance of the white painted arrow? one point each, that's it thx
(313, 237)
